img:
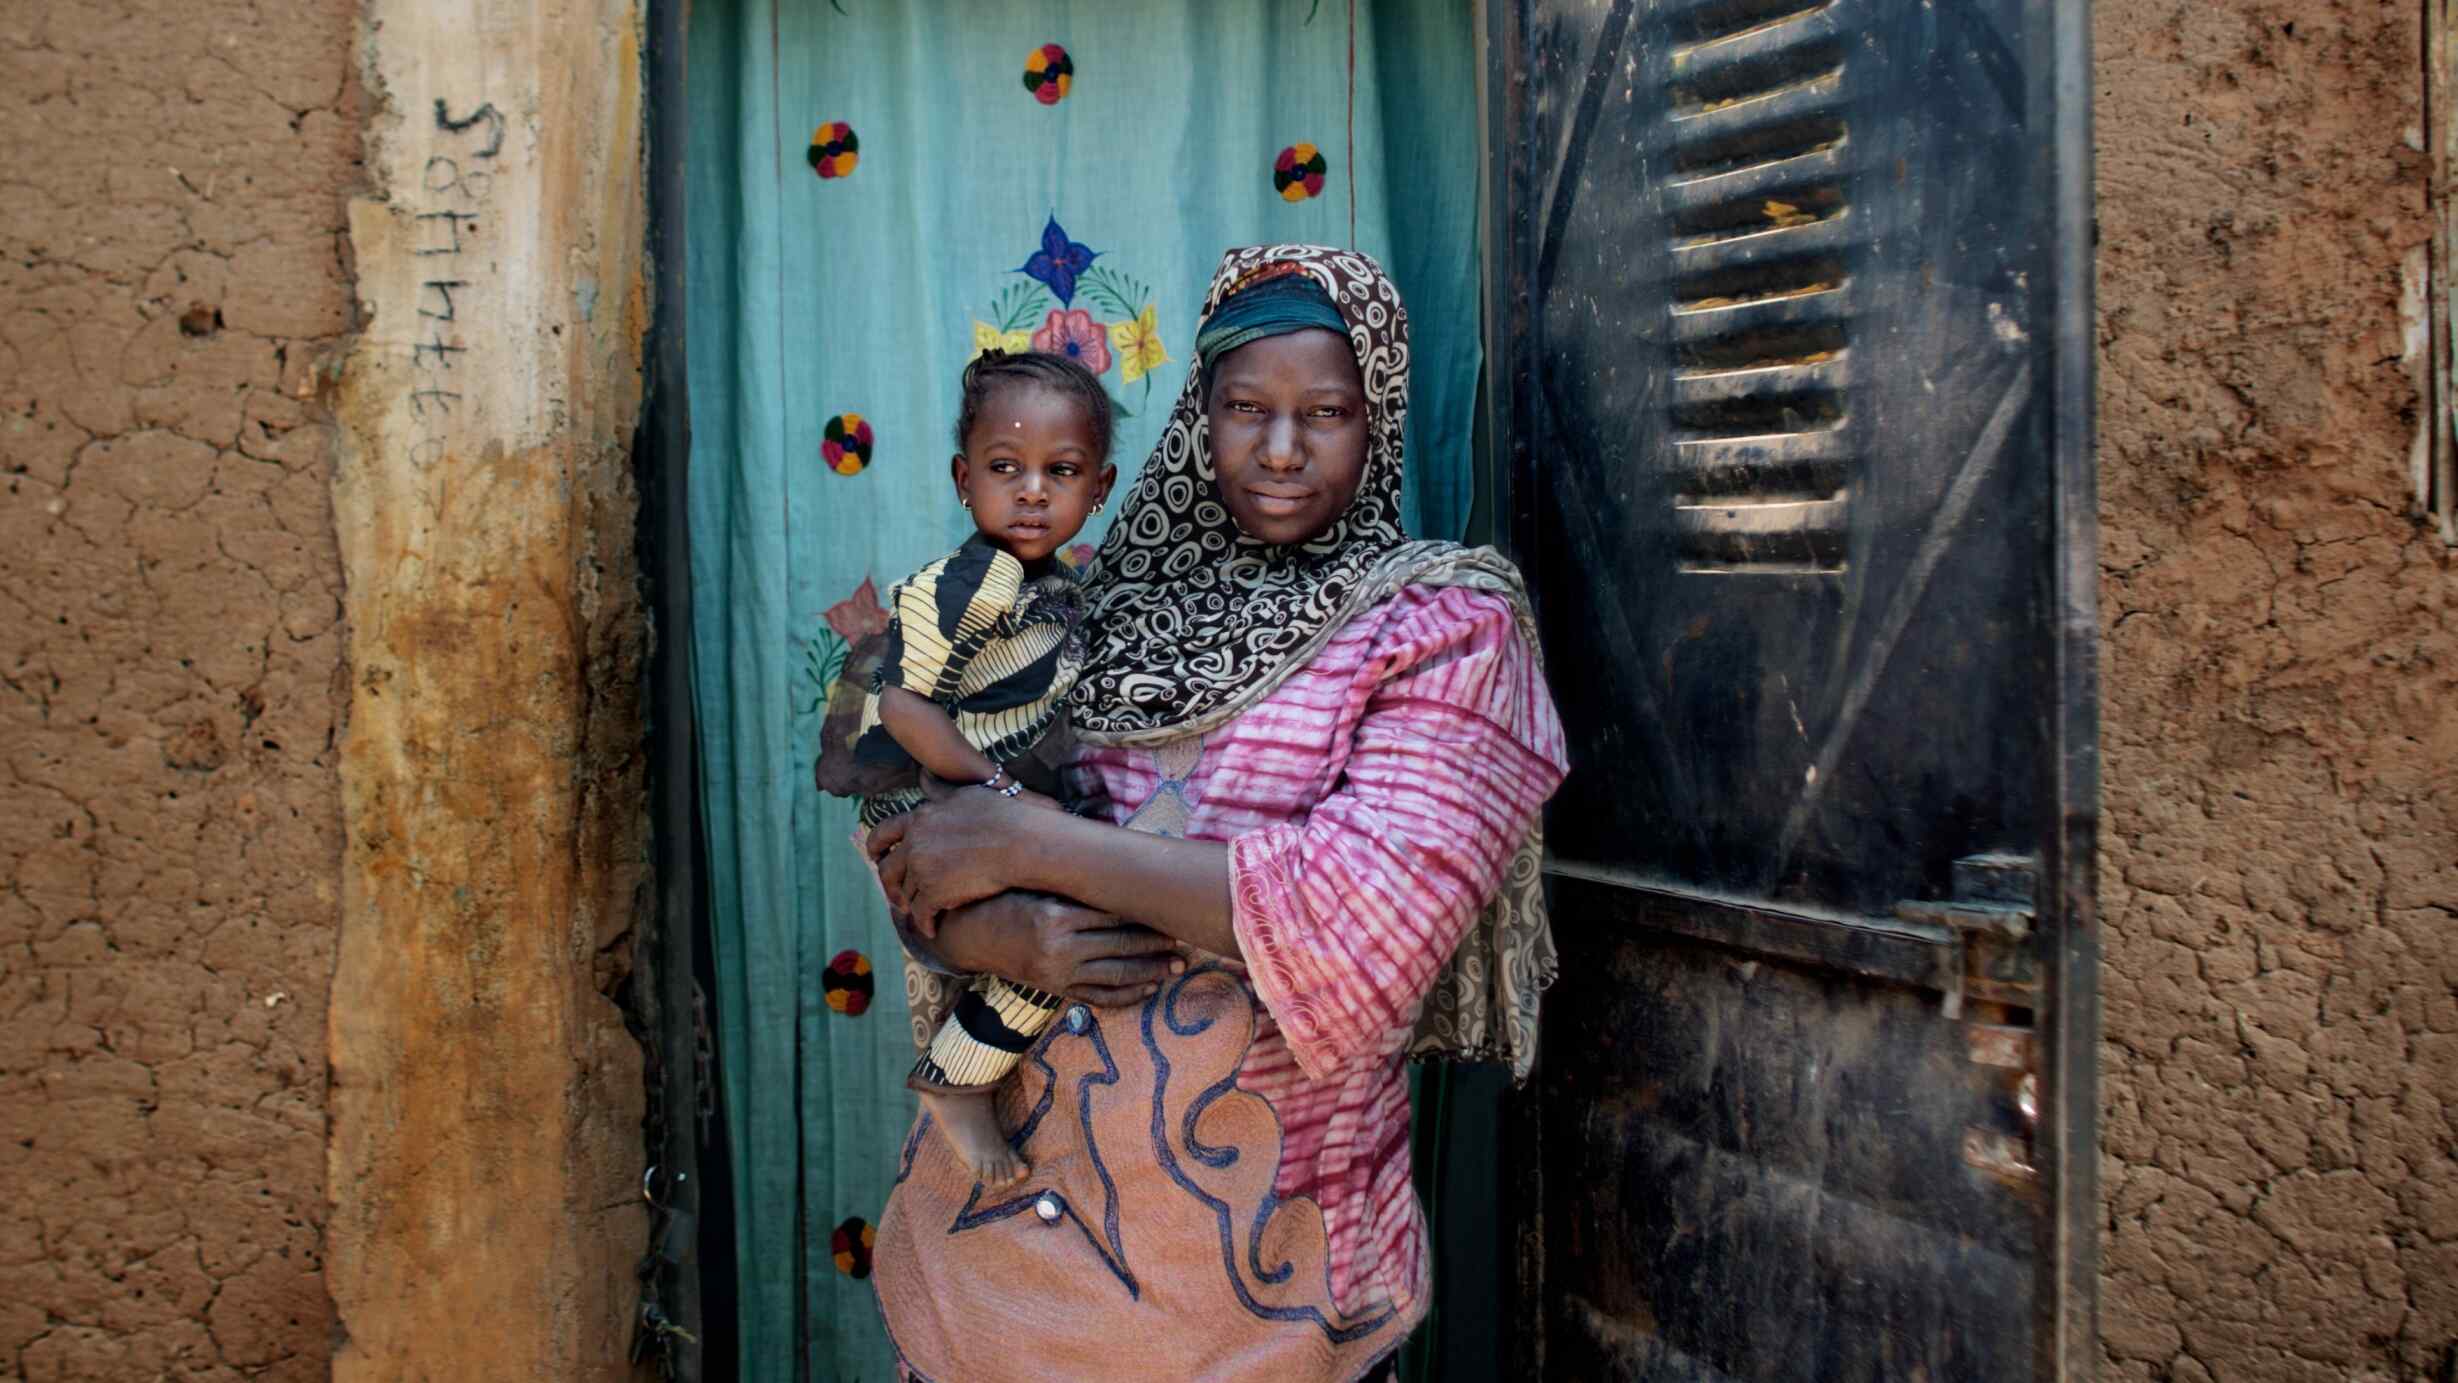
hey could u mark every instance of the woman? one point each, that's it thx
(1325, 748)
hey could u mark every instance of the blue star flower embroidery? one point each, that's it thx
(1058, 262)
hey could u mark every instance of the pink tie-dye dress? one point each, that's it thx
(1371, 804)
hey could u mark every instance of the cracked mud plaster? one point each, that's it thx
(486, 1099)
(171, 271)
(2280, 879)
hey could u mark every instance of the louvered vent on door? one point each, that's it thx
(1762, 437)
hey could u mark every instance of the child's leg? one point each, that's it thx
(970, 1120)
(993, 1025)
(974, 1050)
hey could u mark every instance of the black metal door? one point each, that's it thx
(1791, 310)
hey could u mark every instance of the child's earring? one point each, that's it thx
(965, 500)
(1099, 504)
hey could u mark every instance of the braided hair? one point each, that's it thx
(994, 370)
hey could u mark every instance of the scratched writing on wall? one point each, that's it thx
(453, 189)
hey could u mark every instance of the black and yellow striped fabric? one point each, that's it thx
(994, 1024)
(996, 647)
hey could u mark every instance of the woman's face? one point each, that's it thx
(1288, 420)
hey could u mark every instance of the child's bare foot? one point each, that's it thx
(971, 1123)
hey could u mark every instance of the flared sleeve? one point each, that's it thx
(1449, 747)
(943, 615)
(938, 619)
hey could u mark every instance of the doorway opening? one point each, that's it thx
(1759, 333)
(1073, 173)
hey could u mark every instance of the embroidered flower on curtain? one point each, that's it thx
(1138, 341)
(823, 660)
(1137, 332)
(990, 338)
(1041, 314)
(1074, 334)
(857, 617)
(1058, 262)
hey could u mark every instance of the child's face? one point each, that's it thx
(1030, 471)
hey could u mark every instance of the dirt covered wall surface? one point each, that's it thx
(171, 273)
(2281, 714)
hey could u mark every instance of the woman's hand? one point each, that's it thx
(942, 856)
(1056, 946)
(977, 843)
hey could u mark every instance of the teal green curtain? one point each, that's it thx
(868, 181)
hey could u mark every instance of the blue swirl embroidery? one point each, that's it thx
(1113, 1255)
(1222, 1157)
(1196, 1148)
(1167, 1006)
(913, 1146)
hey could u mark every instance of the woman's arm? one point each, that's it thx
(1345, 917)
(1049, 944)
(976, 844)
(922, 729)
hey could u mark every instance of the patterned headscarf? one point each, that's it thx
(1193, 622)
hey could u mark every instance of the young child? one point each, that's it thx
(983, 646)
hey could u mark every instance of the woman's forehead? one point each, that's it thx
(1310, 350)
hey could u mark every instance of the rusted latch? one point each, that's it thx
(1993, 988)
(1990, 919)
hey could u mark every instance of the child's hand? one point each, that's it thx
(1035, 799)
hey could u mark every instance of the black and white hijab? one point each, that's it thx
(1192, 622)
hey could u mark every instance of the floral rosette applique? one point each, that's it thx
(835, 149)
(1116, 328)
(848, 983)
(845, 443)
(1048, 73)
(1298, 173)
(850, 1247)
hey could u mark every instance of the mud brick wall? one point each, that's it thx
(254, 274)
(2281, 863)
(172, 274)
(175, 287)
